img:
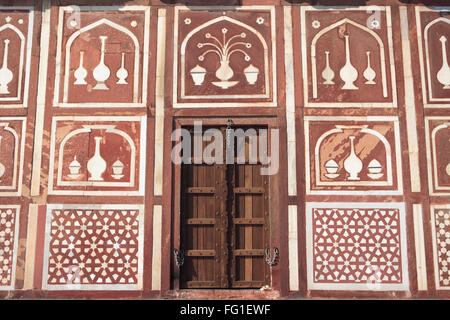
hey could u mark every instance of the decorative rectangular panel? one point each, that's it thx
(102, 56)
(12, 135)
(440, 215)
(93, 247)
(352, 155)
(433, 35)
(356, 246)
(98, 155)
(9, 229)
(16, 32)
(224, 56)
(437, 131)
(348, 58)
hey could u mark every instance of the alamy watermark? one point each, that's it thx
(235, 145)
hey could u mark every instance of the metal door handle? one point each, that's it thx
(179, 257)
(274, 260)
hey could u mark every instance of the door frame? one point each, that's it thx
(277, 200)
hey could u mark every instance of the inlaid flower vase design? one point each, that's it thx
(327, 73)
(198, 75)
(81, 73)
(348, 72)
(251, 74)
(224, 50)
(352, 164)
(369, 74)
(74, 169)
(443, 74)
(101, 72)
(96, 165)
(6, 75)
(122, 73)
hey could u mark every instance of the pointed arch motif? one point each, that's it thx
(21, 59)
(94, 25)
(427, 52)
(363, 129)
(211, 22)
(355, 24)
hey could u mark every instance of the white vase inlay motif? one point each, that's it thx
(122, 73)
(328, 73)
(331, 167)
(447, 169)
(443, 74)
(251, 74)
(348, 73)
(6, 75)
(117, 169)
(375, 169)
(198, 75)
(81, 73)
(224, 50)
(369, 74)
(74, 169)
(352, 164)
(96, 165)
(101, 72)
(2, 167)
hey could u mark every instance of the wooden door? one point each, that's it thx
(224, 225)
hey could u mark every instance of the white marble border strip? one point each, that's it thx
(156, 255)
(19, 164)
(435, 252)
(15, 246)
(28, 281)
(431, 159)
(411, 119)
(356, 286)
(27, 58)
(40, 102)
(159, 104)
(274, 90)
(293, 248)
(392, 104)
(396, 152)
(423, 58)
(142, 155)
(145, 50)
(140, 254)
(420, 248)
(290, 103)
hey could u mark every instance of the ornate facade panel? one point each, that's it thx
(98, 155)
(9, 228)
(12, 136)
(224, 57)
(16, 29)
(433, 35)
(93, 247)
(440, 215)
(356, 246)
(437, 130)
(102, 57)
(348, 57)
(351, 155)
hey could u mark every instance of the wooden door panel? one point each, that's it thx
(200, 231)
(224, 225)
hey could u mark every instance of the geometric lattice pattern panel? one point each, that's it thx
(441, 245)
(9, 224)
(356, 246)
(95, 247)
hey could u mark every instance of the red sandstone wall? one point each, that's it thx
(73, 224)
